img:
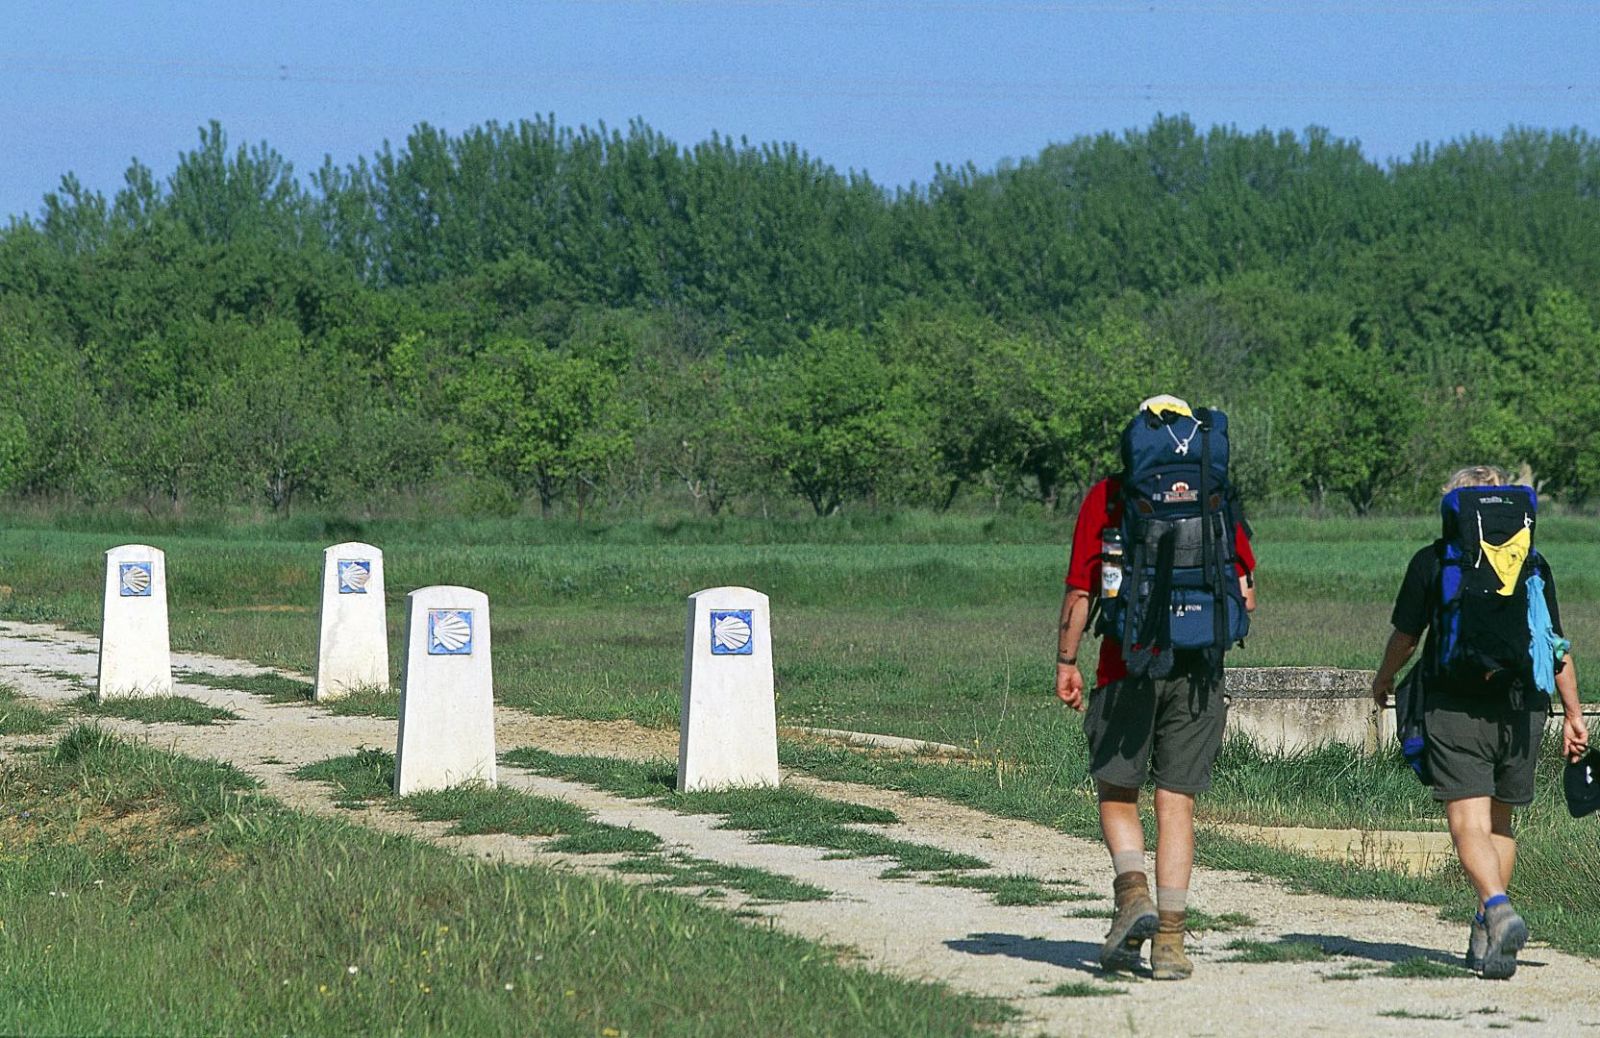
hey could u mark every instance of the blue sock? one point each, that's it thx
(1478, 917)
(1498, 899)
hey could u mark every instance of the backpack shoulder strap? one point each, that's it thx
(1210, 564)
(1235, 506)
(1443, 620)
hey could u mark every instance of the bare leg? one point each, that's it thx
(1504, 839)
(1472, 830)
(1174, 839)
(1119, 819)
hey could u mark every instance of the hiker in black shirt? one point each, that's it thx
(1482, 744)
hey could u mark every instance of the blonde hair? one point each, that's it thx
(1166, 402)
(1476, 476)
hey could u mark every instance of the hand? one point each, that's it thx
(1069, 685)
(1574, 737)
(1382, 689)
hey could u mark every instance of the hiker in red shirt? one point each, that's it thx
(1165, 723)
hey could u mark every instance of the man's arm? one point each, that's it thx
(1074, 617)
(1574, 733)
(1395, 654)
(1246, 562)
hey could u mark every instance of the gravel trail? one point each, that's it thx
(956, 936)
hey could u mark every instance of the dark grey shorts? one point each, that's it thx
(1480, 748)
(1168, 729)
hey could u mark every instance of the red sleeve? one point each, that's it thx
(1246, 554)
(1083, 572)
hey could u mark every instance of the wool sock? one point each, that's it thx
(1172, 899)
(1127, 861)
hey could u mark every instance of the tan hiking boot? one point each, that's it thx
(1135, 922)
(1507, 933)
(1167, 958)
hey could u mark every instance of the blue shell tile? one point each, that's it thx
(134, 580)
(732, 632)
(450, 632)
(353, 576)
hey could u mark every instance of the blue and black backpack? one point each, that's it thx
(1180, 589)
(1481, 634)
(1486, 557)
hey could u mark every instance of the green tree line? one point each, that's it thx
(532, 315)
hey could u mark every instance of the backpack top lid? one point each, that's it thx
(1155, 438)
(1488, 532)
(1496, 503)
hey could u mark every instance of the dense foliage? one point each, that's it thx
(588, 318)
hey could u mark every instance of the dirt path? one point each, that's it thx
(953, 935)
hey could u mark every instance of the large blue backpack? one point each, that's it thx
(1180, 590)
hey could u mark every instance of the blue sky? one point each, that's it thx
(886, 86)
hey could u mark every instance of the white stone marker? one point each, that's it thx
(135, 651)
(728, 727)
(353, 643)
(446, 693)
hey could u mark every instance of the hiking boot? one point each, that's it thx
(1477, 942)
(1167, 960)
(1135, 922)
(1506, 934)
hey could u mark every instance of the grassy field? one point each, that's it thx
(949, 637)
(938, 628)
(142, 893)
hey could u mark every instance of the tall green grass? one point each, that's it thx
(20, 716)
(144, 893)
(154, 709)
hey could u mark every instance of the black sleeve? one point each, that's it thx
(1413, 608)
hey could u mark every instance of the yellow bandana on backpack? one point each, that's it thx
(1507, 558)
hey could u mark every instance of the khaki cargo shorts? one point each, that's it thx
(1478, 747)
(1168, 729)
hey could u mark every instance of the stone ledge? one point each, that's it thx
(1289, 709)
(1297, 683)
(1414, 853)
